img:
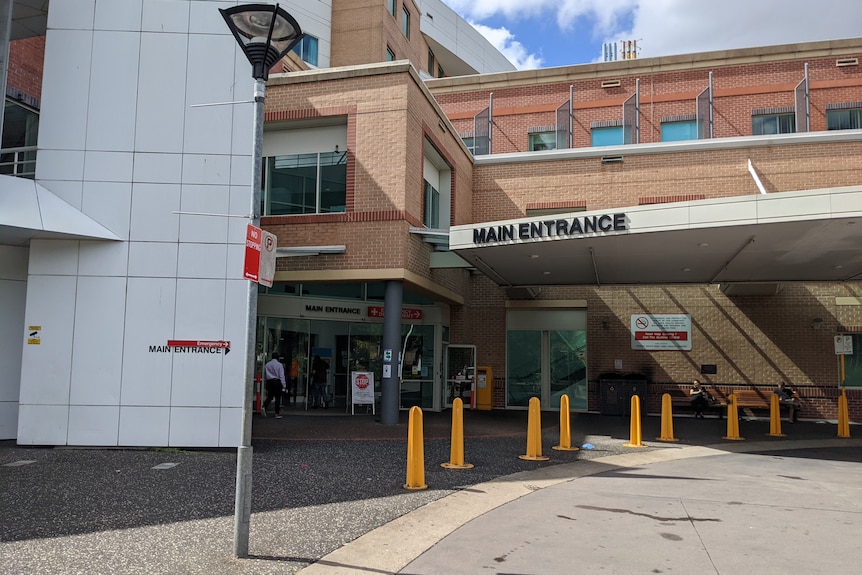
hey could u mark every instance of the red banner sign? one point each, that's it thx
(406, 313)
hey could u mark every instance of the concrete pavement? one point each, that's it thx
(328, 498)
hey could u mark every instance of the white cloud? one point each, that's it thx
(664, 27)
(514, 51)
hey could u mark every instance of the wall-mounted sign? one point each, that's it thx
(406, 312)
(192, 346)
(844, 344)
(558, 228)
(661, 332)
(34, 335)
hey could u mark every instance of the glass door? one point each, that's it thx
(546, 357)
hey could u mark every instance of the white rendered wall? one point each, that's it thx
(120, 141)
(13, 334)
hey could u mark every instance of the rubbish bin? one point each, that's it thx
(616, 392)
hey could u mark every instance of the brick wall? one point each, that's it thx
(26, 59)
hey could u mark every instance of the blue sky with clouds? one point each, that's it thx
(545, 33)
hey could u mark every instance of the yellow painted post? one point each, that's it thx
(635, 426)
(733, 420)
(565, 427)
(415, 451)
(456, 450)
(843, 415)
(534, 432)
(774, 417)
(666, 420)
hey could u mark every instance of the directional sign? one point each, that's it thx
(200, 346)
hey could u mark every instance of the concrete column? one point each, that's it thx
(392, 300)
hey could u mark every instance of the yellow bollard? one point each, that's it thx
(774, 417)
(843, 415)
(635, 427)
(565, 427)
(733, 420)
(456, 451)
(666, 420)
(534, 432)
(415, 451)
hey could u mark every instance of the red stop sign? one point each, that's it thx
(362, 381)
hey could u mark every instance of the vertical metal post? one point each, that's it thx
(392, 300)
(711, 109)
(571, 116)
(242, 512)
(807, 101)
(490, 122)
(637, 138)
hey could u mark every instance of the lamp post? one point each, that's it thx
(265, 33)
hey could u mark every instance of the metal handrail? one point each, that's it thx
(20, 161)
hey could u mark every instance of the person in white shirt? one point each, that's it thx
(273, 375)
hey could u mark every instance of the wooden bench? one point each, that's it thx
(758, 399)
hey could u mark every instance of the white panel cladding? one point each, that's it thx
(109, 203)
(93, 425)
(42, 424)
(97, 357)
(113, 91)
(46, 368)
(144, 426)
(315, 18)
(206, 200)
(161, 102)
(147, 367)
(103, 258)
(194, 426)
(65, 92)
(153, 259)
(127, 149)
(13, 294)
(154, 216)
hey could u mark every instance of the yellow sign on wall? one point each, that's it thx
(34, 335)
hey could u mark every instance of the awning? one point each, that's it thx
(29, 210)
(811, 235)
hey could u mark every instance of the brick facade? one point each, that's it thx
(752, 340)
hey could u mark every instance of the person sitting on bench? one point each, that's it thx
(699, 400)
(789, 397)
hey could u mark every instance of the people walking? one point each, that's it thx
(273, 373)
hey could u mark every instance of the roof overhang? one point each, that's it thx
(29, 18)
(30, 211)
(811, 235)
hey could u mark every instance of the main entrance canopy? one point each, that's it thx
(811, 235)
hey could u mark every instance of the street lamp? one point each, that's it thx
(265, 33)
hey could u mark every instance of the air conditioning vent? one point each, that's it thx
(847, 62)
(610, 83)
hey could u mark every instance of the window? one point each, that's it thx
(677, 131)
(543, 141)
(850, 119)
(20, 135)
(773, 124)
(392, 5)
(431, 61)
(313, 183)
(440, 72)
(307, 49)
(609, 136)
(853, 363)
(469, 142)
(405, 22)
(390, 54)
(432, 207)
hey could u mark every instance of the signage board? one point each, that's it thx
(259, 265)
(362, 388)
(844, 345)
(661, 332)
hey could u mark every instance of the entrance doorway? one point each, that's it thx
(546, 357)
(460, 373)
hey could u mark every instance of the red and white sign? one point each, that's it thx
(406, 312)
(199, 346)
(661, 332)
(259, 256)
(362, 387)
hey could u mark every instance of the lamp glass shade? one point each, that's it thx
(264, 32)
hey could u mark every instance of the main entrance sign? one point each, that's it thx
(563, 227)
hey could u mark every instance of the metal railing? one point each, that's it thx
(20, 162)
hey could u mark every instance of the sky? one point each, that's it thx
(547, 33)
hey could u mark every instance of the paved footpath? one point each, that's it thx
(328, 498)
